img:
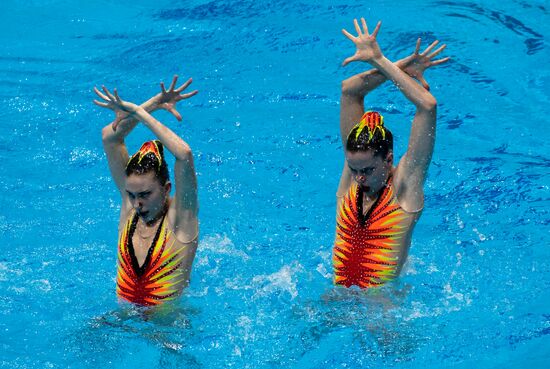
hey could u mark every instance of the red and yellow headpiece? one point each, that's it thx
(149, 147)
(372, 121)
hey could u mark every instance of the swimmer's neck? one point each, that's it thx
(152, 222)
(372, 195)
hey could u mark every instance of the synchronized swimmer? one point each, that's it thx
(157, 234)
(378, 204)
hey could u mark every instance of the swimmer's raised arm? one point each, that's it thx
(411, 171)
(114, 133)
(355, 88)
(361, 84)
(186, 203)
(417, 63)
(369, 51)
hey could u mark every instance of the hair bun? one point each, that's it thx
(151, 147)
(372, 121)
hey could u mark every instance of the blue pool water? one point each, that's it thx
(264, 129)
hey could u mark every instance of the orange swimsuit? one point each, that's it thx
(367, 247)
(159, 278)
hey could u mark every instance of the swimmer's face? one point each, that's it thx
(369, 171)
(147, 196)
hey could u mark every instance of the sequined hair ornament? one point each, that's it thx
(372, 121)
(149, 147)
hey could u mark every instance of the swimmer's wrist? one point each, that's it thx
(139, 113)
(402, 63)
(153, 104)
(379, 61)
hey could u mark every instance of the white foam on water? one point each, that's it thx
(325, 255)
(7, 274)
(172, 346)
(84, 155)
(43, 284)
(432, 268)
(17, 290)
(222, 245)
(452, 301)
(246, 325)
(411, 264)
(322, 269)
(462, 299)
(280, 281)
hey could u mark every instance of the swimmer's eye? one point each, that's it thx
(141, 195)
(367, 171)
(364, 171)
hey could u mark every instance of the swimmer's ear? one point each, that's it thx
(389, 157)
(168, 187)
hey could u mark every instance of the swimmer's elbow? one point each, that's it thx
(344, 86)
(429, 104)
(105, 134)
(184, 153)
(347, 87)
(108, 135)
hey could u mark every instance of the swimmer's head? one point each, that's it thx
(147, 183)
(370, 134)
(149, 158)
(369, 153)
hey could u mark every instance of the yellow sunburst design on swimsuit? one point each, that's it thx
(158, 278)
(366, 250)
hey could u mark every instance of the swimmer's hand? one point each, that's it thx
(416, 64)
(167, 100)
(122, 109)
(367, 47)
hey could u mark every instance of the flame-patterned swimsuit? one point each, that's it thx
(160, 277)
(368, 247)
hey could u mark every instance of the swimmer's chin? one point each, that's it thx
(366, 189)
(143, 215)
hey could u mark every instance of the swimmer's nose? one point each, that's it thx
(360, 178)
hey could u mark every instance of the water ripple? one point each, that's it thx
(534, 41)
